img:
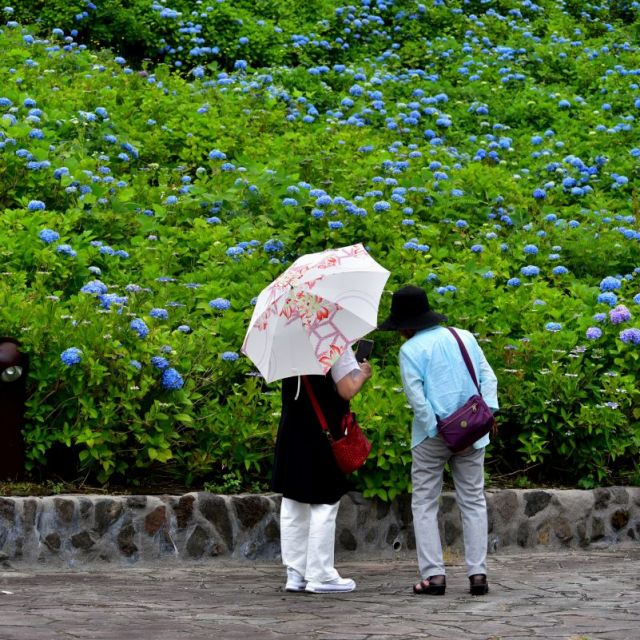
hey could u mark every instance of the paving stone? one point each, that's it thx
(540, 595)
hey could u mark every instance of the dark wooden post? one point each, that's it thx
(14, 366)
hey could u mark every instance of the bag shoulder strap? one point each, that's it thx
(465, 356)
(314, 402)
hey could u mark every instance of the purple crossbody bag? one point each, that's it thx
(473, 420)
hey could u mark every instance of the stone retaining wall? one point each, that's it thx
(79, 529)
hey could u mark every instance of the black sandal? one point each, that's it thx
(431, 586)
(478, 585)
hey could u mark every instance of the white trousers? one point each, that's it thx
(307, 538)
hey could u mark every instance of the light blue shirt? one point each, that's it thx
(437, 381)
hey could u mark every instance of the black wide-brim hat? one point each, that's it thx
(410, 310)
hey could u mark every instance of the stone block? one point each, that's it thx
(136, 502)
(452, 532)
(8, 510)
(250, 509)
(197, 542)
(619, 495)
(126, 542)
(562, 529)
(522, 535)
(155, 520)
(272, 530)
(64, 508)
(53, 542)
(82, 540)
(347, 540)
(214, 509)
(506, 504)
(184, 510)
(597, 528)
(536, 501)
(29, 511)
(107, 512)
(619, 519)
(602, 497)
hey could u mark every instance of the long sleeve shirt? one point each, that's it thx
(436, 380)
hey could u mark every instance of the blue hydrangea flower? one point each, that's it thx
(230, 356)
(477, 248)
(530, 270)
(160, 314)
(462, 224)
(139, 327)
(636, 298)
(184, 328)
(610, 284)
(66, 250)
(289, 202)
(335, 224)
(608, 298)
(553, 326)
(531, 249)
(71, 356)
(594, 333)
(159, 362)
(216, 154)
(560, 270)
(36, 205)
(381, 205)
(630, 336)
(221, 304)
(513, 282)
(171, 379)
(600, 317)
(135, 364)
(539, 194)
(49, 236)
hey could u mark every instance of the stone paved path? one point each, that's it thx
(572, 595)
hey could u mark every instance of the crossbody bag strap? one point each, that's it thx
(465, 356)
(316, 406)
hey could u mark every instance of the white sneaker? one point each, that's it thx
(295, 581)
(339, 585)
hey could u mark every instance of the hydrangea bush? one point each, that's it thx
(486, 150)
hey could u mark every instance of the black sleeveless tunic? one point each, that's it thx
(304, 467)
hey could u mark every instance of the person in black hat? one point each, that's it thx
(437, 382)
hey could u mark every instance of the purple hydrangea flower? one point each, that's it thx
(630, 336)
(619, 315)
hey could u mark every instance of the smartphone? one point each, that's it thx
(365, 347)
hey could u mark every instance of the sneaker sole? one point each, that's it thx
(330, 590)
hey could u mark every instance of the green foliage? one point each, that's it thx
(165, 225)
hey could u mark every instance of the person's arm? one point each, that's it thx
(351, 383)
(424, 416)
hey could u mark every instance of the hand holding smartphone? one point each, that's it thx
(365, 347)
